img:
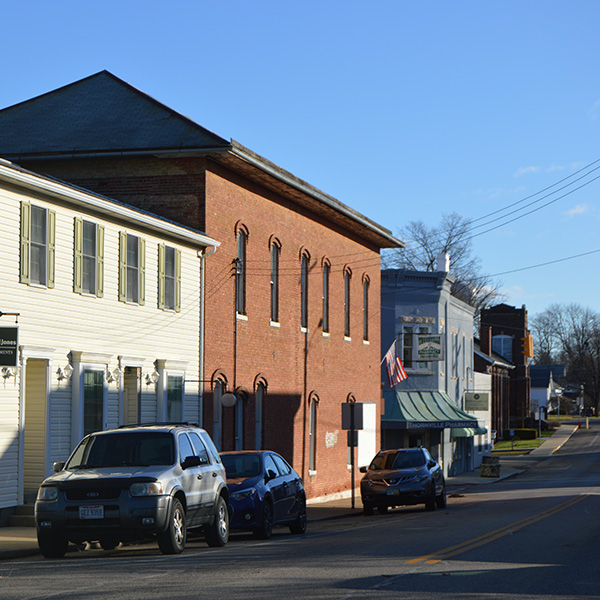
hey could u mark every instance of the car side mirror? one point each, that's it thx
(270, 475)
(191, 461)
(362, 470)
(58, 466)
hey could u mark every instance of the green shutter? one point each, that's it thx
(100, 261)
(122, 266)
(161, 276)
(142, 269)
(177, 280)
(77, 255)
(51, 247)
(25, 228)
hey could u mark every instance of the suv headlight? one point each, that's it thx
(48, 493)
(153, 488)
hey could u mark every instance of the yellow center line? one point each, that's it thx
(491, 536)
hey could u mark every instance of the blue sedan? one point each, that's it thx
(264, 491)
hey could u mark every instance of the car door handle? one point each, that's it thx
(199, 476)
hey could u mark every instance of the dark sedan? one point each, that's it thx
(264, 491)
(402, 477)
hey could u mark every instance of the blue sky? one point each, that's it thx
(402, 110)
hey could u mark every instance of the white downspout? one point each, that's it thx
(202, 254)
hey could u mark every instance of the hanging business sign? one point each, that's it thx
(9, 344)
(429, 347)
(477, 401)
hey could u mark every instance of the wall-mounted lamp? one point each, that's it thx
(229, 399)
(114, 376)
(152, 378)
(64, 373)
(7, 372)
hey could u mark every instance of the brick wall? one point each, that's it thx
(294, 364)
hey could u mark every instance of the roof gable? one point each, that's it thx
(100, 113)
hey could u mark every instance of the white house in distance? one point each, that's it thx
(100, 312)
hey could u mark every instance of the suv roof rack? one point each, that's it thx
(161, 424)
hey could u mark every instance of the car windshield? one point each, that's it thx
(241, 465)
(397, 460)
(123, 449)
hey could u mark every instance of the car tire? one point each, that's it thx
(441, 501)
(367, 508)
(217, 533)
(265, 528)
(382, 509)
(298, 527)
(431, 499)
(172, 541)
(108, 543)
(52, 546)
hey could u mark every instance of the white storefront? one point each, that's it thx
(106, 301)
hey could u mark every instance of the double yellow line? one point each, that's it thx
(435, 557)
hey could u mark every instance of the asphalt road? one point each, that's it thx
(536, 535)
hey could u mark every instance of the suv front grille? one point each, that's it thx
(90, 494)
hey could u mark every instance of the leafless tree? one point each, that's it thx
(424, 243)
(574, 334)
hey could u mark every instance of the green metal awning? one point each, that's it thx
(467, 431)
(425, 410)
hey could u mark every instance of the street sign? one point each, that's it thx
(9, 344)
(352, 415)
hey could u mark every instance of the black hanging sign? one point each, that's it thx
(9, 344)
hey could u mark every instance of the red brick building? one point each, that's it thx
(291, 297)
(508, 326)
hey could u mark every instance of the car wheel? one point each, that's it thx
(431, 499)
(52, 546)
(217, 534)
(172, 541)
(264, 530)
(382, 509)
(299, 525)
(108, 543)
(440, 501)
(367, 508)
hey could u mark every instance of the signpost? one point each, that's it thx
(352, 420)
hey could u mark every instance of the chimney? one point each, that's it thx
(486, 339)
(443, 262)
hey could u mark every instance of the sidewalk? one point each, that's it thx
(17, 542)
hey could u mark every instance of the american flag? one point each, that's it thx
(393, 364)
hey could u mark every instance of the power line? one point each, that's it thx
(539, 192)
(550, 262)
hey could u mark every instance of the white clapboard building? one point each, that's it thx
(100, 322)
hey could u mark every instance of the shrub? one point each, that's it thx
(522, 434)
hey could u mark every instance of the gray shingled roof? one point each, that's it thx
(100, 113)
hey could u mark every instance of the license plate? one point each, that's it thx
(392, 492)
(91, 512)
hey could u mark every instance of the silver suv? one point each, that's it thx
(134, 483)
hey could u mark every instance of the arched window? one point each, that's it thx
(240, 272)
(312, 432)
(502, 345)
(304, 266)
(366, 283)
(326, 273)
(347, 281)
(218, 391)
(275, 250)
(259, 397)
